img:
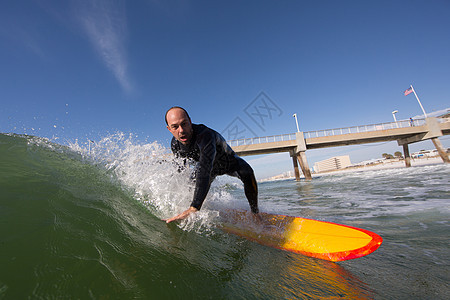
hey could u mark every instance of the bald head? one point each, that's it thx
(179, 124)
(176, 107)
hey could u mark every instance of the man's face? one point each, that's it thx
(179, 125)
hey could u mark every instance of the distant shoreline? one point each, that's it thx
(388, 164)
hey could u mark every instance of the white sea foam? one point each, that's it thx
(379, 193)
(157, 180)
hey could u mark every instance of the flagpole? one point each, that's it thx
(425, 114)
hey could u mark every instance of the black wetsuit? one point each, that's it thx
(215, 157)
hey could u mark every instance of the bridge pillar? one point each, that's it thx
(297, 158)
(406, 155)
(301, 156)
(442, 152)
(294, 161)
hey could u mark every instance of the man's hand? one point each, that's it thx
(183, 215)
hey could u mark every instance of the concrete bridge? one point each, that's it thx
(404, 132)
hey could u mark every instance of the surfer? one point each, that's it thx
(214, 156)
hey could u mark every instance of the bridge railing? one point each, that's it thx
(263, 139)
(327, 132)
(364, 128)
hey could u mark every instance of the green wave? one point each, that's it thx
(70, 229)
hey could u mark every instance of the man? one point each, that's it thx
(214, 156)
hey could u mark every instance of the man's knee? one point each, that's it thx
(245, 170)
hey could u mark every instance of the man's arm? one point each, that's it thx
(207, 147)
(183, 215)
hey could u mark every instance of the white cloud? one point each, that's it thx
(104, 23)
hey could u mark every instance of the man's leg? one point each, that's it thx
(247, 176)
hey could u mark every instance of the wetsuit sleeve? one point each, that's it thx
(207, 147)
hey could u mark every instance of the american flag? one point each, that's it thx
(408, 91)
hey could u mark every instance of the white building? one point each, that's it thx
(334, 163)
(425, 153)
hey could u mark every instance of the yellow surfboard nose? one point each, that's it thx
(320, 237)
(325, 240)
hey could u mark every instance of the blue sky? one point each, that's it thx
(86, 69)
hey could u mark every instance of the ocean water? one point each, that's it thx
(83, 224)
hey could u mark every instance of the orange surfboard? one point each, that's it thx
(324, 240)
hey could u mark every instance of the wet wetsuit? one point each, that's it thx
(215, 157)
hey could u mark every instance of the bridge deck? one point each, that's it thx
(338, 137)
